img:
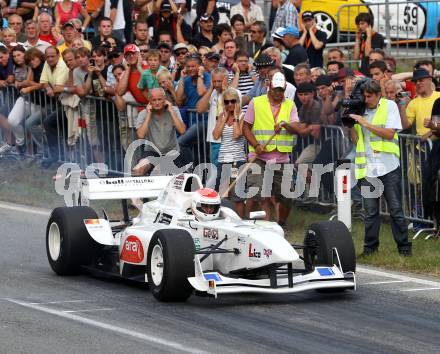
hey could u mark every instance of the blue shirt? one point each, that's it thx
(7, 70)
(190, 87)
(258, 89)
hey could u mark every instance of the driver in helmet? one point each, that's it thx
(206, 204)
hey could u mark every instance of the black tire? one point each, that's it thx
(322, 237)
(76, 247)
(228, 204)
(177, 247)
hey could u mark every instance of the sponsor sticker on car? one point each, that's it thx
(132, 250)
(210, 234)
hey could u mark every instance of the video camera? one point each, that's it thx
(353, 105)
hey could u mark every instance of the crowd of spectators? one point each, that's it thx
(172, 60)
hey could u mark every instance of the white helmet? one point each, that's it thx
(206, 204)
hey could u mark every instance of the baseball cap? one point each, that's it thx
(206, 17)
(68, 23)
(165, 7)
(278, 80)
(306, 87)
(213, 56)
(307, 15)
(292, 31)
(278, 33)
(180, 46)
(131, 48)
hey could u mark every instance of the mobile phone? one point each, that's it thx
(403, 94)
(166, 106)
(92, 62)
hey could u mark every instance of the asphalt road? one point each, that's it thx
(44, 313)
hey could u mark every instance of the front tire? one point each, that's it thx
(68, 244)
(322, 237)
(170, 263)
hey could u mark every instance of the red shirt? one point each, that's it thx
(48, 38)
(411, 87)
(133, 81)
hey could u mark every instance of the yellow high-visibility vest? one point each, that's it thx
(377, 143)
(263, 127)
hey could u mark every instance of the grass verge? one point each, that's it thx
(25, 182)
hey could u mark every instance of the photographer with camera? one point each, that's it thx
(378, 157)
(366, 40)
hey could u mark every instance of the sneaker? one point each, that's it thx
(406, 252)
(368, 252)
(5, 148)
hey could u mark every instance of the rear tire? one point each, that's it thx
(170, 263)
(68, 244)
(322, 237)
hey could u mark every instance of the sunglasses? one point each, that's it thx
(144, 50)
(230, 102)
(183, 52)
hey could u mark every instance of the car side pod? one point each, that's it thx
(327, 279)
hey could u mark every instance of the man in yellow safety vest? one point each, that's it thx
(270, 123)
(378, 167)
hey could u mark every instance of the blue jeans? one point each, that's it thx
(195, 134)
(393, 195)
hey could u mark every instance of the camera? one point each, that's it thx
(364, 36)
(353, 105)
(92, 62)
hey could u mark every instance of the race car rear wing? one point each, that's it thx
(122, 188)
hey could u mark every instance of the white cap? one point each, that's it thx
(278, 80)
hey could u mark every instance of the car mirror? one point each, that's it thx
(257, 215)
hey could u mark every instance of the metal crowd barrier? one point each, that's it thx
(410, 28)
(331, 145)
(91, 130)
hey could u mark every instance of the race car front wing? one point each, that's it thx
(214, 283)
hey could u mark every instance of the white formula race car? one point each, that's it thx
(177, 247)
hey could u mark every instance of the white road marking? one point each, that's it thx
(56, 302)
(397, 276)
(420, 289)
(120, 330)
(385, 282)
(89, 310)
(24, 209)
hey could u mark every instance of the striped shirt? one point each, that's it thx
(245, 83)
(231, 150)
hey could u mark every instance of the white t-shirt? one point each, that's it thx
(119, 19)
(214, 111)
(381, 163)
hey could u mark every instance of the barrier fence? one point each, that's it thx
(91, 130)
(410, 28)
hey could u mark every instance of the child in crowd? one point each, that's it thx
(148, 79)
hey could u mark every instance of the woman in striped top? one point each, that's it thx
(232, 154)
